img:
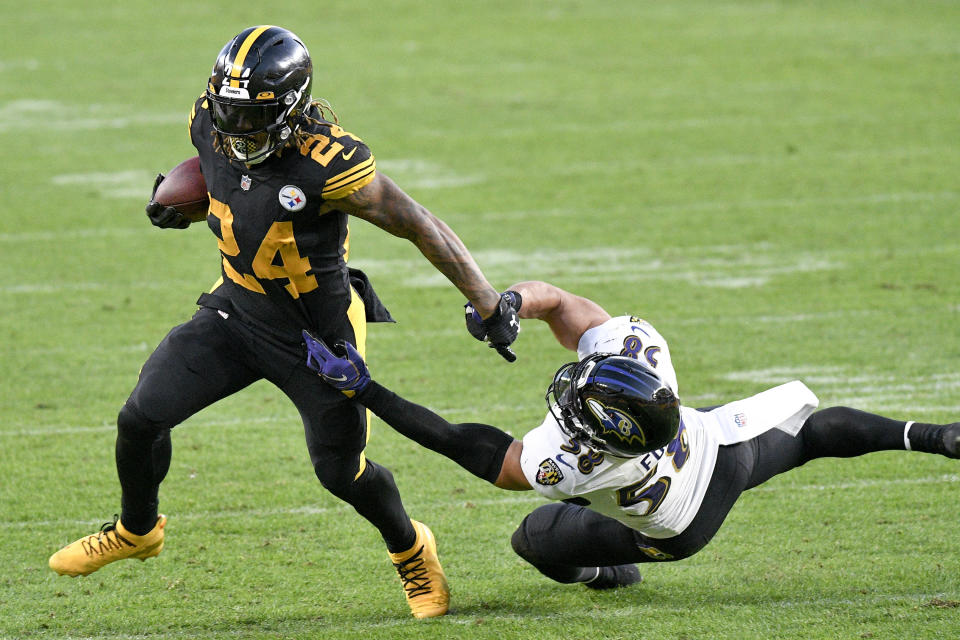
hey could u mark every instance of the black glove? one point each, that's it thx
(501, 328)
(514, 299)
(161, 216)
(474, 322)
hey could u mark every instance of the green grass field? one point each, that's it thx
(772, 184)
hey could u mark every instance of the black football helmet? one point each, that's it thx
(258, 91)
(614, 404)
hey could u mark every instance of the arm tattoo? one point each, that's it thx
(384, 204)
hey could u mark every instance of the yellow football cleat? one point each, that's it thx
(422, 576)
(112, 542)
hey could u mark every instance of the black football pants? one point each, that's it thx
(561, 539)
(211, 357)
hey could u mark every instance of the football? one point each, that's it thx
(185, 189)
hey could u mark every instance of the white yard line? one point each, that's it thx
(726, 205)
(24, 115)
(22, 237)
(292, 419)
(867, 199)
(60, 287)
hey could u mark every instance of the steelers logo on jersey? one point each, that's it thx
(549, 473)
(292, 198)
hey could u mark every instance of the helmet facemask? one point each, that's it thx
(562, 401)
(253, 129)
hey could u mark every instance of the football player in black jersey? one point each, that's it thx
(282, 177)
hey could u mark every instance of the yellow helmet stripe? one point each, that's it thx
(245, 49)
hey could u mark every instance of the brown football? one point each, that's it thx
(185, 189)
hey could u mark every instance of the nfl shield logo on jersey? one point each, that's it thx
(549, 473)
(292, 198)
(245, 183)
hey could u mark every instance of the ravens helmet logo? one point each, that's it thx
(616, 423)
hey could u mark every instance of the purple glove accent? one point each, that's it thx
(474, 322)
(346, 372)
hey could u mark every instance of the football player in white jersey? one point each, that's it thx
(627, 463)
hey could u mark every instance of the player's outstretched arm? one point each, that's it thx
(386, 205)
(569, 316)
(483, 450)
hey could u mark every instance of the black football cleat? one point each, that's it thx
(621, 575)
(951, 440)
(935, 438)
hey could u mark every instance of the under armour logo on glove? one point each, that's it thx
(501, 328)
(347, 372)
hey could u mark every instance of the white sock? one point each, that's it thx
(906, 438)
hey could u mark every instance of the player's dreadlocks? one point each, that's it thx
(324, 108)
(326, 112)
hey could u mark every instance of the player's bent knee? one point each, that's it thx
(339, 484)
(832, 417)
(132, 425)
(519, 541)
(523, 541)
(343, 481)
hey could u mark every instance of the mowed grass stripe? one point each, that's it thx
(16, 115)
(508, 498)
(878, 199)
(626, 617)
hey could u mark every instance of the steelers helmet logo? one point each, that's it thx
(292, 198)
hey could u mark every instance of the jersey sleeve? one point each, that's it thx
(785, 407)
(543, 464)
(351, 166)
(194, 124)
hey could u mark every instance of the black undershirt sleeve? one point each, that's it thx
(478, 448)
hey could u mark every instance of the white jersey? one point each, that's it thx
(660, 492)
(632, 337)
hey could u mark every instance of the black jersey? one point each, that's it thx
(284, 264)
